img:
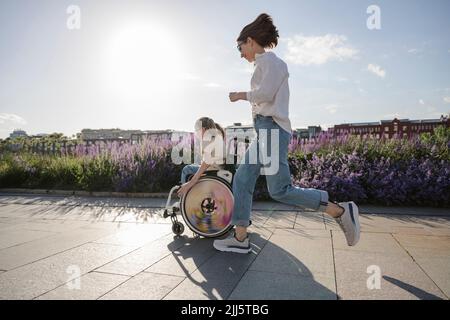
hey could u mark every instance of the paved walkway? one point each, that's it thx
(54, 247)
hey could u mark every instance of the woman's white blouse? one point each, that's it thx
(269, 95)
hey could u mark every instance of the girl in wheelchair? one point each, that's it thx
(206, 198)
(195, 171)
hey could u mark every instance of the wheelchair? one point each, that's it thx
(206, 208)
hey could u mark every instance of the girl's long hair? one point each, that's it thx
(208, 123)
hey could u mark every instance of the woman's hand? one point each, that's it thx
(235, 96)
(185, 188)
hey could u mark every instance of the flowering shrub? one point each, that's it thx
(395, 171)
(414, 171)
(144, 167)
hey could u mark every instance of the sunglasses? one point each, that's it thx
(239, 46)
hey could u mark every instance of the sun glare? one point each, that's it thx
(143, 60)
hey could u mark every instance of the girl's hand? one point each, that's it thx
(185, 188)
(235, 96)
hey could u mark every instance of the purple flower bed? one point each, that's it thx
(383, 181)
(396, 171)
(414, 171)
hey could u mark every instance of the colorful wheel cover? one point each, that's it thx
(208, 206)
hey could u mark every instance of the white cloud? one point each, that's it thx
(447, 99)
(421, 102)
(414, 50)
(332, 108)
(376, 70)
(318, 50)
(9, 118)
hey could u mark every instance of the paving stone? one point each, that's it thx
(144, 286)
(281, 219)
(20, 211)
(68, 212)
(432, 254)
(425, 246)
(142, 258)
(32, 280)
(257, 285)
(125, 249)
(138, 235)
(54, 226)
(94, 213)
(28, 199)
(438, 269)
(297, 252)
(383, 243)
(8, 223)
(25, 253)
(216, 278)
(260, 217)
(398, 224)
(185, 259)
(10, 238)
(91, 286)
(147, 215)
(400, 277)
(308, 220)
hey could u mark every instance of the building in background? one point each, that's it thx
(235, 127)
(246, 133)
(18, 133)
(390, 128)
(152, 135)
(134, 136)
(306, 133)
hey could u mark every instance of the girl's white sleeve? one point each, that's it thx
(273, 76)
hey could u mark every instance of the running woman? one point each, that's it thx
(269, 99)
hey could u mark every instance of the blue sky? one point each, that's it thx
(163, 64)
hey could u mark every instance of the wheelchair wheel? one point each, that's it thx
(208, 206)
(178, 228)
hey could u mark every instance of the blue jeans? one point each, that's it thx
(188, 170)
(279, 185)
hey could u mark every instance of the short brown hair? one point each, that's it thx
(262, 30)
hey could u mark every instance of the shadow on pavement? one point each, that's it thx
(419, 293)
(223, 271)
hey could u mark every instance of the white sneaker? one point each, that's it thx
(231, 244)
(349, 222)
